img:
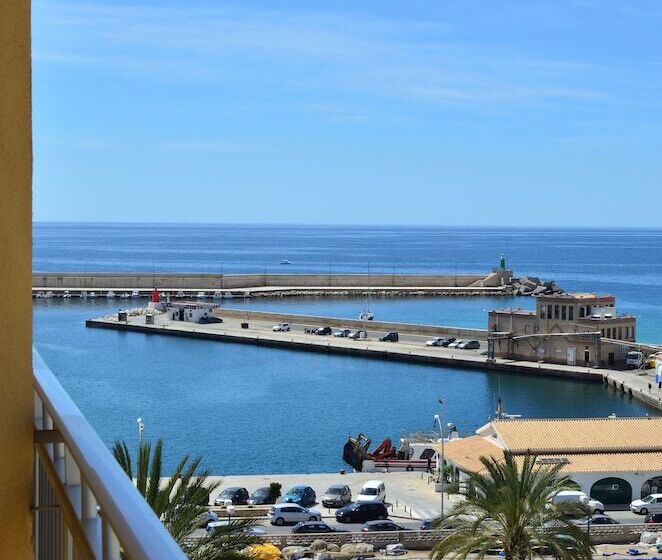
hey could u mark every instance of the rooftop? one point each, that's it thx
(586, 297)
(577, 435)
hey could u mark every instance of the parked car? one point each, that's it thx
(313, 527)
(652, 503)
(323, 330)
(598, 519)
(280, 514)
(337, 496)
(255, 530)
(426, 525)
(233, 495)
(456, 343)
(372, 491)
(358, 334)
(260, 497)
(579, 498)
(653, 518)
(469, 345)
(207, 518)
(342, 333)
(436, 341)
(281, 327)
(302, 495)
(390, 337)
(382, 525)
(360, 512)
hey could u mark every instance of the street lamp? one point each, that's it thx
(141, 428)
(440, 422)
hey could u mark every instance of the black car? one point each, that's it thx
(390, 337)
(311, 527)
(237, 495)
(426, 525)
(260, 497)
(446, 341)
(653, 518)
(323, 330)
(382, 525)
(360, 512)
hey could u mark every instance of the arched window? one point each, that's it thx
(651, 486)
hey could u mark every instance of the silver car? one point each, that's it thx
(337, 495)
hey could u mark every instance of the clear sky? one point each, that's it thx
(452, 112)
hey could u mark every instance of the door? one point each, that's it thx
(612, 490)
(611, 358)
(587, 357)
(572, 356)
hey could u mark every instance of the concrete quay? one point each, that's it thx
(411, 347)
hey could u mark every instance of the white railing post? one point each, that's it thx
(47, 423)
(110, 543)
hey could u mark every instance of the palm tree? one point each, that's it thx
(181, 503)
(510, 508)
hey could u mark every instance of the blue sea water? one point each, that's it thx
(250, 409)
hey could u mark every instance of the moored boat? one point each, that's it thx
(110, 294)
(135, 293)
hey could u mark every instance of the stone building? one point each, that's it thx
(574, 329)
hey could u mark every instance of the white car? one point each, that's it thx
(372, 491)
(652, 503)
(281, 327)
(579, 498)
(280, 514)
(434, 341)
(342, 333)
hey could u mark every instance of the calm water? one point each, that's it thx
(248, 409)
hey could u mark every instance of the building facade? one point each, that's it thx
(574, 329)
(614, 460)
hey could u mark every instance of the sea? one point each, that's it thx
(247, 409)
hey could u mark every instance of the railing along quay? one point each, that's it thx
(85, 505)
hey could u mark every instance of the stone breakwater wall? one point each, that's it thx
(191, 281)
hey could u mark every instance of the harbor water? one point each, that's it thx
(249, 409)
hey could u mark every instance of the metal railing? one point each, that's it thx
(85, 507)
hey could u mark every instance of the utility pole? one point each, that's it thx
(440, 420)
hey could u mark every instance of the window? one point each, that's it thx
(563, 313)
(542, 312)
(620, 333)
(427, 454)
(581, 310)
(602, 332)
(556, 311)
(571, 312)
(549, 311)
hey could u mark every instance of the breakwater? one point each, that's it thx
(497, 280)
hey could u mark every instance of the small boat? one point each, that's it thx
(501, 414)
(201, 295)
(83, 294)
(49, 294)
(366, 315)
(125, 295)
(285, 262)
(92, 295)
(39, 295)
(66, 294)
(227, 295)
(180, 294)
(135, 294)
(110, 294)
(218, 294)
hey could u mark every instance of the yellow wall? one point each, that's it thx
(15, 278)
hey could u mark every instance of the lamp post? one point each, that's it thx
(440, 421)
(141, 429)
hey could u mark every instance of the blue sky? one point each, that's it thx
(445, 113)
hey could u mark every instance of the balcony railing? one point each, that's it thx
(85, 505)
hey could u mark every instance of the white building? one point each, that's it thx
(193, 312)
(614, 460)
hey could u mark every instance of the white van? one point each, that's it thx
(579, 497)
(372, 491)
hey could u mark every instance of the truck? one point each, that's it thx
(634, 359)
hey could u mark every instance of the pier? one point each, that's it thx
(254, 327)
(496, 282)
